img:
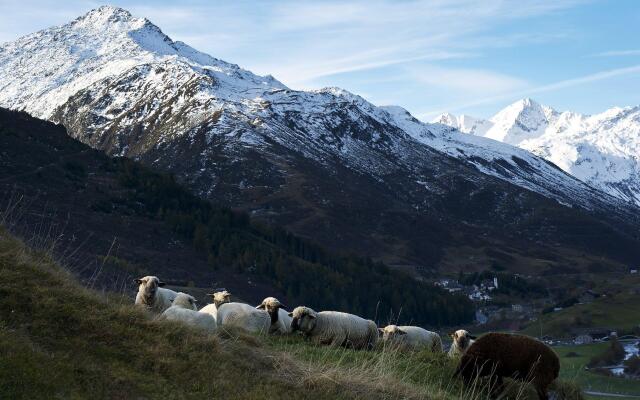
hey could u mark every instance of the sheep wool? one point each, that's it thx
(184, 309)
(411, 338)
(335, 328)
(244, 316)
(219, 298)
(508, 355)
(152, 296)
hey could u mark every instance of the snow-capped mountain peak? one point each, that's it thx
(522, 120)
(107, 15)
(120, 84)
(464, 123)
(104, 42)
(602, 149)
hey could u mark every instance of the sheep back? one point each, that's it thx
(508, 355)
(210, 309)
(418, 338)
(343, 329)
(190, 317)
(244, 316)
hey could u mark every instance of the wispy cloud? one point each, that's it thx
(325, 39)
(617, 53)
(582, 80)
(470, 81)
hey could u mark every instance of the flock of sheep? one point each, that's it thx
(494, 354)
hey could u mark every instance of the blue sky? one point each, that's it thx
(463, 56)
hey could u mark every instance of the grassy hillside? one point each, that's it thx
(619, 312)
(60, 340)
(573, 359)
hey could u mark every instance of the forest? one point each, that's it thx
(306, 272)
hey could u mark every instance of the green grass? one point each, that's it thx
(620, 312)
(572, 369)
(60, 340)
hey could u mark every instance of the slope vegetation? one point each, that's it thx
(325, 164)
(61, 340)
(87, 199)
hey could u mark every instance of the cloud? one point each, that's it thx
(466, 80)
(299, 75)
(598, 76)
(325, 39)
(617, 53)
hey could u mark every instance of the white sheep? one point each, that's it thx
(280, 319)
(411, 338)
(462, 339)
(184, 310)
(219, 298)
(152, 295)
(334, 328)
(244, 316)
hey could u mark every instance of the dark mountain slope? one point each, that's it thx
(96, 206)
(326, 163)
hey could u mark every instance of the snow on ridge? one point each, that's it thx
(108, 46)
(602, 150)
(42, 70)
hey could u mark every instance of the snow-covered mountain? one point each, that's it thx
(325, 163)
(602, 150)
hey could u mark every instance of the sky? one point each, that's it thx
(428, 56)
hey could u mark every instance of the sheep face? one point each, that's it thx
(220, 298)
(303, 319)
(391, 332)
(462, 338)
(148, 286)
(184, 300)
(270, 305)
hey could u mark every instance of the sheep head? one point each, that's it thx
(184, 300)
(462, 338)
(220, 298)
(148, 286)
(303, 319)
(391, 332)
(270, 305)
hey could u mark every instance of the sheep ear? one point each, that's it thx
(311, 316)
(138, 281)
(453, 335)
(401, 332)
(290, 314)
(473, 337)
(161, 283)
(260, 306)
(380, 331)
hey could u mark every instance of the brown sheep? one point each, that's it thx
(518, 357)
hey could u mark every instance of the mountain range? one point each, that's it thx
(325, 164)
(602, 150)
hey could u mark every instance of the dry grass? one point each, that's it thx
(61, 340)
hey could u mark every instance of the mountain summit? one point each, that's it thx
(602, 150)
(42, 70)
(326, 163)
